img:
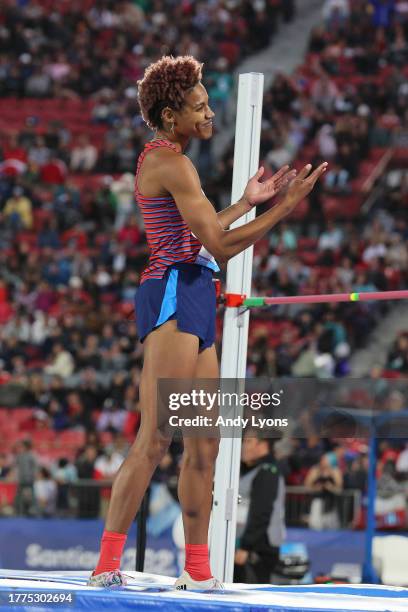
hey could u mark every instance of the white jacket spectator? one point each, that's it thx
(39, 327)
(39, 154)
(84, 155)
(327, 141)
(108, 464)
(341, 6)
(376, 249)
(45, 493)
(331, 238)
(123, 191)
(325, 93)
(63, 363)
(112, 417)
(402, 461)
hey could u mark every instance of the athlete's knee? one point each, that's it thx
(153, 446)
(202, 456)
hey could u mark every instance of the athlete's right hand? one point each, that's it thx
(301, 186)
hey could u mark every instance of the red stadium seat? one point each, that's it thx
(70, 438)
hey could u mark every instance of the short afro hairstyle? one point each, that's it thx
(165, 83)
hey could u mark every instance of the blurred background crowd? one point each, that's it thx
(72, 241)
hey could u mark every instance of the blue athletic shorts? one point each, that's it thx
(185, 293)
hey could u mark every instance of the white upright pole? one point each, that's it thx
(235, 333)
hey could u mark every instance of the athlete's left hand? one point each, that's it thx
(256, 192)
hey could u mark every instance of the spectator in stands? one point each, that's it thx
(58, 415)
(337, 180)
(64, 474)
(25, 467)
(126, 157)
(123, 192)
(5, 468)
(390, 493)
(88, 494)
(398, 356)
(39, 153)
(397, 253)
(335, 10)
(130, 234)
(49, 236)
(356, 474)
(106, 467)
(45, 493)
(375, 249)
(284, 239)
(331, 239)
(18, 210)
(261, 521)
(383, 11)
(327, 142)
(62, 363)
(18, 326)
(38, 85)
(402, 462)
(54, 171)
(112, 418)
(78, 416)
(395, 401)
(83, 155)
(325, 93)
(219, 87)
(326, 482)
(119, 444)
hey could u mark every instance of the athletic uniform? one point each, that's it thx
(177, 283)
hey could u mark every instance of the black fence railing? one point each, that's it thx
(87, 498)
(306, 508)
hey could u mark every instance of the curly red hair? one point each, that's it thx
(165, 83)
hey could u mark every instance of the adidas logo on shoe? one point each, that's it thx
(186, 583)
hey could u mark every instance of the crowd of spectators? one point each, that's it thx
(100, 49)
(346, 104)
(71, 255)
(84, 48)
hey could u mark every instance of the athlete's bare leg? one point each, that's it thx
(197, 471)
(168, 353)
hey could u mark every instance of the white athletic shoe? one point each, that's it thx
(186, 583)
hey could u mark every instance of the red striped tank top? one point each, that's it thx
(169, 238)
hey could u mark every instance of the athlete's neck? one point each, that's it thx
(181, 142)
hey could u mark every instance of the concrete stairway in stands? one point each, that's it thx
(380, 341)
(285, 52)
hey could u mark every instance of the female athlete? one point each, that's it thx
(175, 304)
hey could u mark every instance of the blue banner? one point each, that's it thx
(68, 544)
(73, 544)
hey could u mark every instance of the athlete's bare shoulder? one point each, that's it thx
(159, 165)
(149, 179)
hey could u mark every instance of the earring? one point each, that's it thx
(172, 128)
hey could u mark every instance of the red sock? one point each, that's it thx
(111, 551)
(197, 561)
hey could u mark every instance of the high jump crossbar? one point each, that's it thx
(234, 300)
